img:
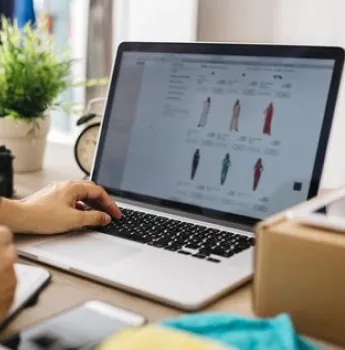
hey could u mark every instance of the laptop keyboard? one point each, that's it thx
(177, 236)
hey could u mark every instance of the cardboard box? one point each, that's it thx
(300, 270)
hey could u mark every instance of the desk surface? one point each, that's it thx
(67, 290)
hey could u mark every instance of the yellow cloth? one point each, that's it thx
(155, 337)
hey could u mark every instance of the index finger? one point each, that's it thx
(6, 236)
(88, 191)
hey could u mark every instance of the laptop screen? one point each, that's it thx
(233, 134)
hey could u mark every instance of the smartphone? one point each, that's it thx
(82, 327)
(326, 212)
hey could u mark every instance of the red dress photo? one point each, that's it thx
(258, 168)
(268, 119)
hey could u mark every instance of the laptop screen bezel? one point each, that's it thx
(283, 51)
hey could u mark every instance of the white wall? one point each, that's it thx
(236, 20)
(155, 20)
(319, 22)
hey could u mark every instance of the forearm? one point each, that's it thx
(12, 214)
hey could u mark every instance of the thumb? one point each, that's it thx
(95, 218)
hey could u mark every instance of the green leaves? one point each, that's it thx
(32, 72)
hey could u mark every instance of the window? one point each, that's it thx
(94, 34)
(58, 15)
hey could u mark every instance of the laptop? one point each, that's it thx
(199, 142)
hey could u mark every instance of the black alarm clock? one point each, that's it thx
(85, 145)
(6, 172)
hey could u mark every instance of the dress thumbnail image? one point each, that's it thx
(268, 119)
(258, 169)
(236, 110)
(226, 162)
(195, 163)
(205, 112)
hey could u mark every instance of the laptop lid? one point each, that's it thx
(229, 131)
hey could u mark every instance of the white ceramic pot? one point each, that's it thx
(26, 142)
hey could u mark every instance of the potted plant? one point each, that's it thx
(32, 75)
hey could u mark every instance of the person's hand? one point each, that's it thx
(60, 207)
(7, 275)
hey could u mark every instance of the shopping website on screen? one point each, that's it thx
(235, 134)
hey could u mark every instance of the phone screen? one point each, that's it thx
(78, 328)
(335, 209)
(327, 213)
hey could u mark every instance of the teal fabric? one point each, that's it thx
(243, 333)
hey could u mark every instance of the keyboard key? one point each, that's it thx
(172, 248)
(192, 246)
(228, 254)
(204, 251)
(213, 260)
(184, 252)
(218, 251)
(135, 238)
(157, 245)
(199, 256)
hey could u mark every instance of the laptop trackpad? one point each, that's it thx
(88, 249)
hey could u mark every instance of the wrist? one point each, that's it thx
(13, 215)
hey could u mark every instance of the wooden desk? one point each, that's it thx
(66, 290)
